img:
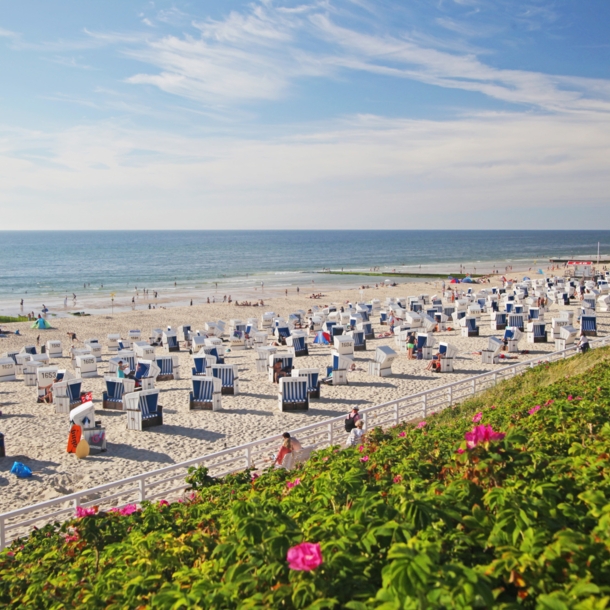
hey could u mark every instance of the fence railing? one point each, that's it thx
(170, 480)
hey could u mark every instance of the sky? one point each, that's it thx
(322, 114)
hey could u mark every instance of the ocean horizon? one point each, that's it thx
(93, 264)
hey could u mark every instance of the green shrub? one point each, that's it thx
(414, 518)
(9, 319)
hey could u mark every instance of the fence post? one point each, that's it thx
(474, 386)
(396, 414)
(2, 534)
(330, 433)
(424, 399)
(248, 457)
(142, 487)
(450, 395)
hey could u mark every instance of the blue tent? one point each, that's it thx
(322, 338)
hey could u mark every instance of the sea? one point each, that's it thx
(104, 269)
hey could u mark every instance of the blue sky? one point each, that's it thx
(323, 114)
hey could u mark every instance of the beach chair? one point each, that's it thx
(113, 342)
(603, 303)
(382, 366)
(313, 380)
(116, 388)
(8, 370)
(469, 326)
(66, 395)
(168, 368)
(344, 345)
(28, 349)
(556, 326)
(144, 350)
(447, 353)
(237, 340)
(143, 409)
(491, 355)
(156, 337)
(219, 329)
(227, 373)
(337, 330)
(200, 364)
(512, 336)
(516, 320)
(567, 337)
(534, 314)
(588, 326)
(474, 309)
(292, 394)
(196, 343)
(359, 340)
(206, 394)
(428, 323)
(211, 351)
(367, 329)
(589, 301)
(20, 360)
(498, 320)
(184, 333)
(124, 344)
(54, 349)
(45, 377)
(30, 373)
(383, 318)
(95, 348)
(84, 416)
(216, 343)
(518, 309)
(134, 335)
(424, 344)
(441, 321)
(298, 344)
(286, 360)
(145, 374)
(126, 357)
(85, 365)
(413, 319)
(170, 341)
(536, 332)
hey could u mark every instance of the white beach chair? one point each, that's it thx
(54, 348)
(491, 355)
(382, 366)
(66, 395)
(143, 409)
(536, 332)
(144, 350)
(113, 342)
(85, 365)
(312, 376)
(228, 376)
(206, 393)
(8, 371)
(116, 388)
(567, 337)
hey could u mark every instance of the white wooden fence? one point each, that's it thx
(169, 481)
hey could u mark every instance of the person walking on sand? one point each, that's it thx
(285, 456)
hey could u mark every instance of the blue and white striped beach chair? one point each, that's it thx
(588, 326)
(227, 373)
(383, 318)
(313, 380)
(206, 394)
(167, 368)
(367, 329)
(536, 332)
(116, 388)
(516, 320)
(66, 395)
(469, 326)
(143, 409)
(298, 345)
(292, 394)
(359, 340)
(212, 351)
(510, 307)
(200, 362)
(498, 320)
(286, 361)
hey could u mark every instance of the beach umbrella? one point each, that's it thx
(525, 278)
(540, 271)
(468, 280)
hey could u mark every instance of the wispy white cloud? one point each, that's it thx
(461, 169)
(8, 34)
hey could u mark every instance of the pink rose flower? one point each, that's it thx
(292, 484)
(534, 409)
(570, 397)
(361, 448)
(325, 458)
(482, 435)
(128, 510)
(402, 434)
(163, 503)
(477, 418)
(304, 557)
(85, 512)
(549, 402)
(492, 407)
(254, 476)
(364, 459)
(460, 451)
(422, 424)
(72, 538)
(397, 479)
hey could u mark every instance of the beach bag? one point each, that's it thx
(350, 424)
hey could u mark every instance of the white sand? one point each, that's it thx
(36, 436)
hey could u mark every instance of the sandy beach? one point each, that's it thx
(36, 436)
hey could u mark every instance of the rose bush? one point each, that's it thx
(519, 519)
